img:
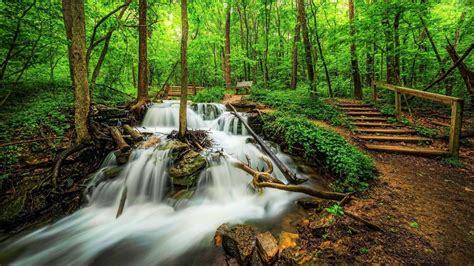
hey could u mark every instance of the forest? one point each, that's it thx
(236, 132)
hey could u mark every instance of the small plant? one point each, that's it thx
(414, 224)
(363, 250)
(405, 121)
(426, 132)
(336, 209)
(392, 120)
(210, 95)
(454, 162)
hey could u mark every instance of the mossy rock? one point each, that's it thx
(186, 169)
(175, 145)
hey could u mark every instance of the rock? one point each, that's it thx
(267, 247)
(320, 226)
(239, 242)
(219, 232)
(309, 203)
(185, 169)
(175, 145)
(150, 142)
(287, 240)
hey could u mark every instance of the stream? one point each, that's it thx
(154, 227)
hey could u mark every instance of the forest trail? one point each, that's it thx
(377, 134)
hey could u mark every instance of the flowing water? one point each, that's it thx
(154, 228)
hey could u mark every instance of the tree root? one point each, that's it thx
(265, 179)
(61, 157)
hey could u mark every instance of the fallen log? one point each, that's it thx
(123, 199)
(136, 136)
(291, 178)
(118, 138)
(266, 180)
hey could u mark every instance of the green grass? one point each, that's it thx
(298, 102)
(209, 95)
(352, 169)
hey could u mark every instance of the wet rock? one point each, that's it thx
(255, 259)
(185, 169)
(239, 242)
(221, 230)
(122, 157)
(309, 203)
(175, 145)
(150, 142)
(267, 247)
(287, 240)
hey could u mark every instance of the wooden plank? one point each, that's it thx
(407, 150)
(365, 118)
(364, 113)
(354, 105)
(373, 124)
(363, 109)
(394, 138)
(455, 128)
(386, 130)
(423, 94)
(244, 84)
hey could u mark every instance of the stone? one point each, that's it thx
(219, 232)
(287, 240)
(239, 242)
(309, 203)
(175, 145)
(185, 169)
(267, 247)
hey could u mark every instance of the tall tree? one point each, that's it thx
(142, 96)
(74, 22)
(184, 70)
(354, 62)
(294, 57)
(226, 55)
(307, 46)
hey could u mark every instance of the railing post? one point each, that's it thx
(398, 104)
(374, 90)
(455, 128)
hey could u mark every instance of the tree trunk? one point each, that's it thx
(466, 74)
(227, 67)
(266, 76)
(74, 22)
(388, 45)
(354, 61)
(184, 70)
(294, 57)
(396, 52)
(142, 97)
(307, 46)
(242, 38)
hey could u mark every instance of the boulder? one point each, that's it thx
(186, 168)
(175, 145)
(239, 242)
(267, 247)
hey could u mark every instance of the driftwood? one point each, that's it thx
(118, 138)
(291, 178)
(266, 180)
(136, 136)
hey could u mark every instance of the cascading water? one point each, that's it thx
(154, 229)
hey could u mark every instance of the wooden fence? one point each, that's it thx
(175, 90)
(455, 103)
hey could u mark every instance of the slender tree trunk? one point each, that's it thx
(242, 38)
(184, 70)
(142, 97)
(266, 76)
(466, 73)
(307, 46)
(388, 45)
(396, 52)
(247, 38)
(354, 61)
(227, 66)
(74, 22)
(294, 57)
(370, 62)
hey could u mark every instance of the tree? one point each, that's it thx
(226, 55)
(294, 57)
(74, 22)
(354, 62)
(184, 70)
(307, 46)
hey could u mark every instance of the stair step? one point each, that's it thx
(374, 124)
(364, 118)
(359, 109)
(386, 130)
(354, 105)
(407, 150)
(394, 138)
(372, 113)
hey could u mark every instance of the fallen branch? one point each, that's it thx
(61, 157)
(123, 199)
(286, 172)
(136, 136)
(118, 138)
(265, 179)
(5, 99)
(364, 221)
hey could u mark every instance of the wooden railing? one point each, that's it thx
(455, 103)
(173, 90)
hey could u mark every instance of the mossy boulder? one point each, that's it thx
(175, 145)
(185, 169)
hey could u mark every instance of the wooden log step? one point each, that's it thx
(359, 109)
(394, 138)
(365, 118)
(354, 105)
(374, 124)
(386, 130)
(366, 113)
(407, 150)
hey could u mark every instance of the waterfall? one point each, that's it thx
(154, 229)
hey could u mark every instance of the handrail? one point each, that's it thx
(455, 103)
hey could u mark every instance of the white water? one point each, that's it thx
(154, 229)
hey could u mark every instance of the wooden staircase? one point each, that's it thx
(377, 134)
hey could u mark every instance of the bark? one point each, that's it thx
(227, 67)
(118, 138)
(266, 76)
(136, 136)
(184, 69)
(74, 22)
(354, 61)
(142, 54)
(466, 74)
(294, 57)
(242, 38)
(396, 52)
(388, 47)
(307, 46)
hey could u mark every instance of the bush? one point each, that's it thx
(352, 168)
(209, 95)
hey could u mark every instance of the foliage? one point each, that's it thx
(336, 209)
(209, 95)
(454, 162)
(414, 224)
(426, 132)
(297, 102)
(352, 168)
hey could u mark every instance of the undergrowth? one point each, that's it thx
(209, 95)
(298, 102)
(352, 168)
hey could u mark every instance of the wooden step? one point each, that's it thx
(365, 118)
(394, 138)
(354, 105)
(373, 124)
(372, 113)
(359, 109)
(386, 130)
(407, 150)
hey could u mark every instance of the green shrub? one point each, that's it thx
(350, 166)
(209, 95)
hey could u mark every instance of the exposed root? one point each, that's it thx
(138, 108)
(265, 179)
(198, 139)
(61, 157)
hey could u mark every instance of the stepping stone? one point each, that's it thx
(374, 124)
(407, 150)
(394, 138)
(366, 113)
(364, 118)
(386, 130)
